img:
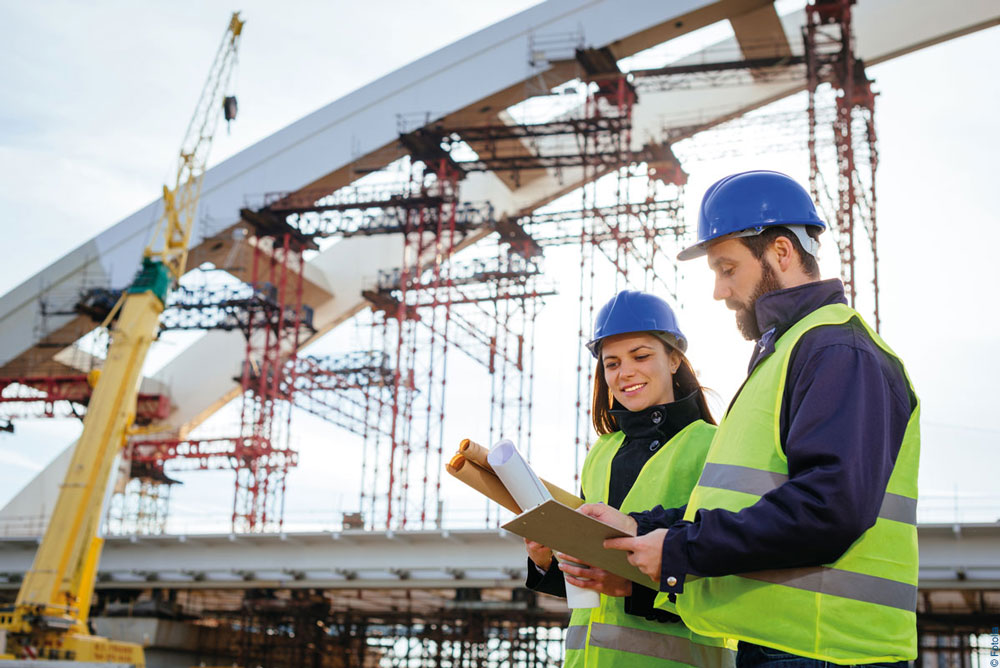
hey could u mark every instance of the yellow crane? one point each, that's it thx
(49, 618)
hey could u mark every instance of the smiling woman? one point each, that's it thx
(641, 350)
(655, 428)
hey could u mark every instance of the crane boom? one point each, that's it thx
(49, 616)
(181, 203)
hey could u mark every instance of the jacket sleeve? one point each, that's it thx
(845, 411)
(657, 518)
(640, 604)
(550, 582)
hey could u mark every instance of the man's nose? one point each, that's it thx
(721, 291)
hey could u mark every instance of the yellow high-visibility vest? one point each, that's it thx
(860, 608)
(607, 636)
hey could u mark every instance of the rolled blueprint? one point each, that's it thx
(484, 482)
(475, 453)
(529, 491)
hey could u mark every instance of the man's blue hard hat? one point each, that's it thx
(745, 204)
(632, 311)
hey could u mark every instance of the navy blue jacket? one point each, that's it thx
(845, 408)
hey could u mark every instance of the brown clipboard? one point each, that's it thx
(564, 530)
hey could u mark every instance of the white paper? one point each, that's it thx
(528, 491)
(517, 476)
(578, 597)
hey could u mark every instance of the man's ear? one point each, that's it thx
(783, 253)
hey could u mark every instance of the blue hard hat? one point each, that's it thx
(632, 311)
(745, 204)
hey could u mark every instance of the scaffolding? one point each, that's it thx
(431, 306)
(270, 315)
(828, 40)
(630, 198)
(839, 114)
(356, 628)
(424, 309)
(66, 396)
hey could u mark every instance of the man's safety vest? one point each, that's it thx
(606, 636)
(860, 608)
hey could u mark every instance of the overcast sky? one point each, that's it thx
(97, 96)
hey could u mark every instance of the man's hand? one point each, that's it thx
(645, 552)
(590, 577)
(541, 555)
(609, 515)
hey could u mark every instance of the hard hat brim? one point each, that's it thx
(693, 252)
(700, 249)
(677, 343)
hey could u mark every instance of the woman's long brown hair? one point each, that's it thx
(685, 382)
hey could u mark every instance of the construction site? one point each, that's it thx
(267, 368)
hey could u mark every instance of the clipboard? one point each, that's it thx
(563, 529)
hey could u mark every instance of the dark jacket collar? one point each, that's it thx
(661, 422)
(781, 309)
(777, 311)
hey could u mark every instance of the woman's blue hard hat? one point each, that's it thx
(745, 204)
(633, 311)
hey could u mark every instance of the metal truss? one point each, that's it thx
(66, 396)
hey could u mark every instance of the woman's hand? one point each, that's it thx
(644, 552)
(541, 555)
(589, 577)
(609, 515)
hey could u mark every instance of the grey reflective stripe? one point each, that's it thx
(759, 482)
(658, 645)
(576, 637)
(740, 478)
(846, 584)
(899, 508)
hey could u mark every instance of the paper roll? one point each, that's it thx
(527, 490)
(475, 453)
(482, 481)
(478, 455)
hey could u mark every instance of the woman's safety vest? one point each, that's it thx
(860, 608)
(606, 636)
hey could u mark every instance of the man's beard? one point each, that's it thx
(746, 314)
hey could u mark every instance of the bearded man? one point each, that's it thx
(799, 540)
